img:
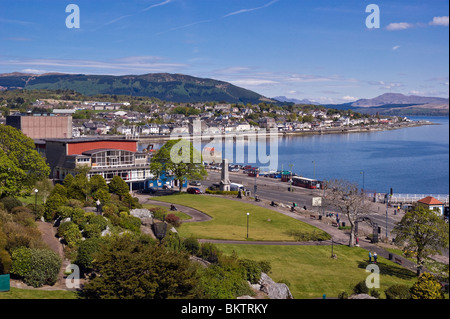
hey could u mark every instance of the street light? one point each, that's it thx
(248, 214)
(35, 201)
(314, 163)
(362, 172)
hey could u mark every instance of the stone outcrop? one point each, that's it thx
(272, 289)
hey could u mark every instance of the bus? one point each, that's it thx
(305, 182)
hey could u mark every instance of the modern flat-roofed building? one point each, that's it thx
(105, 157)
(42, 126)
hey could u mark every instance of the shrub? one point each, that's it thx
(86, 251)
(343, 295)
(398, 292)
(209, 252)
(361, 288)
(70, 232)
(98, 220)
(92, 231)
(159, 213)
(427, 287)
(192, 245)
(5, 261)
(10, 202)
(265, 266)
(252, 269)
(173, 220)
(21, 261)
(36, 267)
(53, 203)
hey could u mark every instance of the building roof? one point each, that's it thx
(430, 201)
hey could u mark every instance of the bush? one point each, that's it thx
(36, 267)
(398, 292)
(10, 202)
(53, 203)
(252, 269)
(427, 287)
(159, 213)
(343, 295)
(98, 220)
(86, 250)
(173, 220)
(70, 232)
(192, 245)
(92, 231)
(361, 288)
(209, 252)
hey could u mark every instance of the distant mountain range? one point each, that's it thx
(164, 86)
(295, 101)
(398, 104)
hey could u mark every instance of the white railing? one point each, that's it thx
(411, 198)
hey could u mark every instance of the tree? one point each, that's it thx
(427, 287)
(180, 159)
(423, 232)
(346, 198)
(129, 268)
(20, 161)
(119, 187)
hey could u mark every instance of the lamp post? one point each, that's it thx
(35, 201)
(362, 172)
(314, 165)
(290, 167)
(248, 214)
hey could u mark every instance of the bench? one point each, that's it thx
(312, 216)
(334, 224)
(398, 260)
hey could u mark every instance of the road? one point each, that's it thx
(271, 189)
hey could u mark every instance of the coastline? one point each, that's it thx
(322, 131)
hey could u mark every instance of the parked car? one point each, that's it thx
(194, 190)
(150, 190)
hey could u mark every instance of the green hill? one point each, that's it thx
(164, 86)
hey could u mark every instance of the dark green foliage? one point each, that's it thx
(252, 270)
(51, 206)
(130, 269)
(86, 251)
(70, 232)
(398, 292)
(119, 187)
(163, 86)
(192, 245)
(210, 252)
(37, 267)
(10, 202)
(361, 288)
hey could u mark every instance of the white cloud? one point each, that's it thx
(252, 82)
(252, 9)
(395, 48)
(399, 26)
(121, 66)
(349, 98)
(443, 21)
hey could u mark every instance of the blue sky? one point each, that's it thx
(320, 50)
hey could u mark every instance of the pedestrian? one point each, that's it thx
(370, 257)
(375, 257)
(98, 205)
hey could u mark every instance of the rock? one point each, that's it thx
(245, 297)
(274, 290)
(141, 213)
(361, 296)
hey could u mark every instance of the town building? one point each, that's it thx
(432, 203)
(42, 126)
(105, 157)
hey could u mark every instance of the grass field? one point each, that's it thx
(230, 220)
(16, 293)
(311, 272)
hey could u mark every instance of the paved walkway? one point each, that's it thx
(339, 237)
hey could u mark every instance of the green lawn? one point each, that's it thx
(230, 220)
(311, 272)
(16, 293)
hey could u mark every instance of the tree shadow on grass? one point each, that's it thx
(391, 270)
